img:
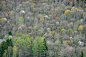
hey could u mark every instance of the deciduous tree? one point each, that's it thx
(15, 49)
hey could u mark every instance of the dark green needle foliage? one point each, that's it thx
(45, 45)
(9, 42)
(3, 46)
(9, 33)
(81, 54)
(46, 48)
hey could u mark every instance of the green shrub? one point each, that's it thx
(62, 5)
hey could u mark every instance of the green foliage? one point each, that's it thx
(62, 5)
(15, 49)
(68, 6)
(35, 49)
(35, 46)
(66, 12)
(19, 34)
(71, 14)
(84, 9)
(40, 16)
(70, 31)
(3, 46)
(25, 41)
(80, 27)
(46, 48)
(62, 30)
(9, 33)
(25, 36)
(21, 20)
(9, 42)
(80, 33)
(5, 54)
(78, 22)
(41, 45)
(22, 43)
(82, 54)
(36, 27)
(74, 29)
(39, 32)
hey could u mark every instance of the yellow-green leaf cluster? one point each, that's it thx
(33, 4)
(41, 19)
(19, 34)
(3, 19)
(62, 30)
(72, 8)
(71, 3)
(78, 9)
(49, 12)
(52, 32)
(66, 12)
(80, 27)
(40, 16)
(34, 9)
(44, 3)
(84, 13)
(56, 10)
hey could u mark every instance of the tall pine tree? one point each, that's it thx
(82, 54)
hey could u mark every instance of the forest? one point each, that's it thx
(42, 28)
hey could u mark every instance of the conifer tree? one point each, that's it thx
(82, 54)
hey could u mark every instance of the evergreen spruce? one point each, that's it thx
(82, 54)
(9, 33)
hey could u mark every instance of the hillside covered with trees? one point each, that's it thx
(42, 28)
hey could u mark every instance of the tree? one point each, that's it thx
(41, 46)
(34, 9)
(3, 20)
(66, 12)
(19, 34)
(52, 32)
(15, 49)
(71, 15)
(5, 54)
(9, 51)
(62, 5)
(9, 33)
(9, 42)
(22, 43)
(45, 45)
(25, 44)
(68, 42)
(82, 54)
(42, 19)
(39, 32)
(55, 10)
(80, 27)
(35, 49)
(2, 48)
(21, 20)
(46, 48)
(54, 16)
(49, 12)
(78, 9)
